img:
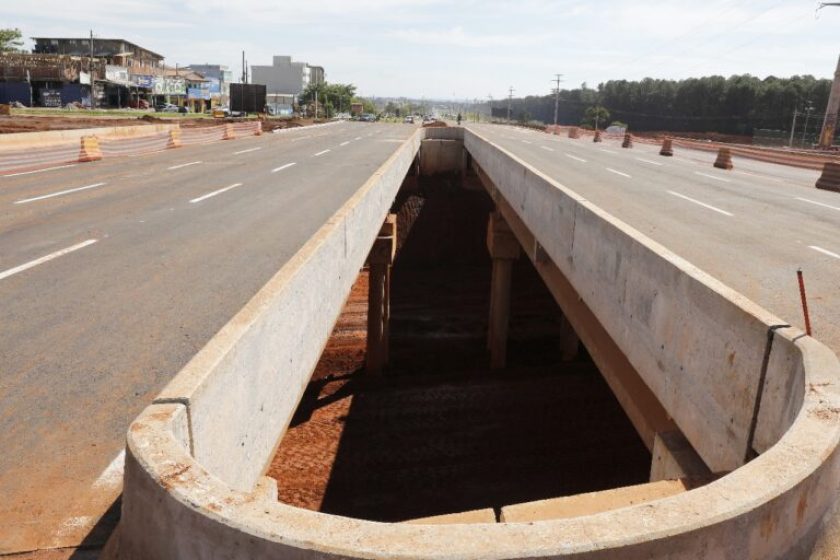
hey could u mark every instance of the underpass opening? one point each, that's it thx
(440, 432)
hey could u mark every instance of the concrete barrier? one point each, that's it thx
(737, 380)
(22, 140)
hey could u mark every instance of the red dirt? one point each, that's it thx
(20, 123)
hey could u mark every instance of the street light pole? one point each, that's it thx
(510, 100)
(809, 107)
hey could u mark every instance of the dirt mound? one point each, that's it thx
(435, 124)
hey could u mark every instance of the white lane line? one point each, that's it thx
(818, 203)
(575, 158)
(824, 251)
(183, 165)
(344, 143)
(547, 149)
(611, 170)
(214, 193)
(526, 142)
(246, 151)
(42, 260)
(712, 177)
(357, 138)
(282, 167)
(39, 170)
(703, 204)
(606, 151)
(59, 193)
(321, 153)
(650, 162)
(113, 474)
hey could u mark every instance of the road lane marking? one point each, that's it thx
(650, 162)
(607, 151)
(547, 149)
(174, 167)
(246, 151)
(712, 177)
(818, 203)
(344, 143)
(282, 167)
(214, 193)
(357, 138)
(703, 204)
(321, 153)
(39, 170)
(42, 260)
(113, 474)
(526, 142)
(575, 158)
(824, 251)
(59, 193)
(611, 170)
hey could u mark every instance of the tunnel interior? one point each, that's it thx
(439, 431)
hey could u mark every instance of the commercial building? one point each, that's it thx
(285, 80)
(219, 78)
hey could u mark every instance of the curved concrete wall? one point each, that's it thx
(194, 458)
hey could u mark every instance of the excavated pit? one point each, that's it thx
(439, 432)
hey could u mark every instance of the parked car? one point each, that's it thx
(408, 120)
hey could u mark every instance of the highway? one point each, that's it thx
(114, 273)
(751, 227)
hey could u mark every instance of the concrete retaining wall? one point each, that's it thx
(195, 456)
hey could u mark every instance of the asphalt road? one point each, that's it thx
(751, 227)
(114, 274)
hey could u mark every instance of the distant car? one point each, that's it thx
(368, 117)
(170, 108)
(409, 120)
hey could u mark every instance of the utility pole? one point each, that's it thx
(793, 126)
(244, 77)
(490, 107)
(557, 80)
(510, 100)
(92, 81)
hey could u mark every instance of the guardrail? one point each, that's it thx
(736, 379)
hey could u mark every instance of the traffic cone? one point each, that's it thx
(597, 136)
(230, 133)
(174, 138)
(724, 159)
(830, 179)
(574, 133)
(628, 141)
(667, 148)
(90, 150)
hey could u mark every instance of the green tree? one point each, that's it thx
(332, 98)
(596, 117)
(10, 40)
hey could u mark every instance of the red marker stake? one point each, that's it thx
(804, 302)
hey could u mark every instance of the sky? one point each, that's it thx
(469, 49)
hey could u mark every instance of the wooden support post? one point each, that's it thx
(380, 260)
(504, 249)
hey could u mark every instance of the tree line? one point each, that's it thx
(735, 105)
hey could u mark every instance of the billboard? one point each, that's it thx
(247, 98)
(169, 86)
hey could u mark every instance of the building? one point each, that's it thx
(129, 73)
(284, 80)
(220, 77)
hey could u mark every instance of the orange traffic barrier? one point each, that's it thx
(230, 133)
(574, 133)
(258, 131)
(5, 109)
(90, 149)
(597, 137)
(667, 148)
(724, 159)
(628, 141)
(830, 179)
(174, 138)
